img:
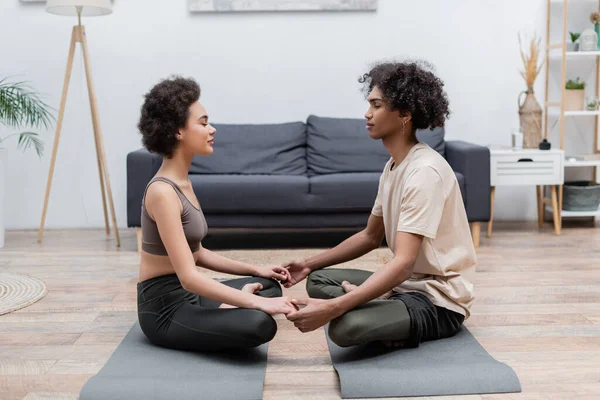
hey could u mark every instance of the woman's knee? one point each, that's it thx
(260, 327)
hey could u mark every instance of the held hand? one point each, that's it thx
(275, 272)
(298, 270)
(276, 305)
(316, 314)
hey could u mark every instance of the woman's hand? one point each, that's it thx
(275, 272)
(275, 305)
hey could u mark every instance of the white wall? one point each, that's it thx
(253, 67)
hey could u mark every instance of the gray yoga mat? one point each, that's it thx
(139, 370)
(453, 366)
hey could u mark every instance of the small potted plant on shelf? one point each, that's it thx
(591, 103)
(574, 95)
(573, 46)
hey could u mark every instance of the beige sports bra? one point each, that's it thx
(192, 219)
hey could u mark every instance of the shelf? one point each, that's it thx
(555, 111)
(575, 214)
(590, 160)
(556, 54)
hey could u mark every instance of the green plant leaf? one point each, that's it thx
(21, 105)
(28, 139)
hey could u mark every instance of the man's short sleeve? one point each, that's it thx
(422, 203)
(377, 209)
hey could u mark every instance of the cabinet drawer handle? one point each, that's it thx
(525, 160)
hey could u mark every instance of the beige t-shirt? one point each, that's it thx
(421, 195)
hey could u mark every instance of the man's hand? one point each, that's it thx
(298, 270)
(274, 271)
(316, 313)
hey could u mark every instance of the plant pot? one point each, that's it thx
(572, 46)
(3, 159)
(574, 99)
(581, 196)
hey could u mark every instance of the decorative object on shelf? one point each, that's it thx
(545, 145)
(573, 45)
(588, 41)
(280, 5)
(591, 103)
(530, 111)
(517, 139)
(574, 95)
(595, 19)
(20, 106)
(581, 196)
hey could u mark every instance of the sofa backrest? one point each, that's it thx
(276, 149)
(339, 145)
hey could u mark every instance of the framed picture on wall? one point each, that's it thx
(281, 5)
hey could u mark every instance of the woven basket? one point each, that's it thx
(581, 196)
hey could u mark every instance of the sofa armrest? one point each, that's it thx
(473, 161)
(141, 167)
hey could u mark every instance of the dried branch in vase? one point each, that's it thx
(530, 61)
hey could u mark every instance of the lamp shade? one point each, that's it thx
(89, 8)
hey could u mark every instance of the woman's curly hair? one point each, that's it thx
(410, 87)
(165, 111)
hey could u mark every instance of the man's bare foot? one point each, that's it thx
(348, 287)
(251, 288)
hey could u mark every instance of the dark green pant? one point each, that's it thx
(376, 320)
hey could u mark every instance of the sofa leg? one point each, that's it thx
(475, 232)
(138, 231)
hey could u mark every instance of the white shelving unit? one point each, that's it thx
(559, 51)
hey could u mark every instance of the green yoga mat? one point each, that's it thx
(139, 370)
(457, 365)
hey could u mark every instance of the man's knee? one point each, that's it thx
(314, 282)
(345, 331)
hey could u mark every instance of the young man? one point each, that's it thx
(425, 292)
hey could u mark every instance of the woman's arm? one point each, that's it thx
(216, 262)
(165, 208)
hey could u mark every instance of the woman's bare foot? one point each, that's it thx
(251, 288)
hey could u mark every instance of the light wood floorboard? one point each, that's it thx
(537, 309)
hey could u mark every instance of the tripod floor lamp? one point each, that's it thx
(79, 8)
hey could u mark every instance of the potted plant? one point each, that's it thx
(591, 103)
(20, 106)
(573, 46)
(574, 95)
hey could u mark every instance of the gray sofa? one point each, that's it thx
(322, 173)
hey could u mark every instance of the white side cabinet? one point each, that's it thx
(528, 167)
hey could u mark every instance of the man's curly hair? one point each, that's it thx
(410, 88)
(165, 111)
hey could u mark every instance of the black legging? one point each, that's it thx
(170, 316)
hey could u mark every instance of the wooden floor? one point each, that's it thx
(537, 309)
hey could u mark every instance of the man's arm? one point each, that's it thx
(319, 312)
(355, 246)
(387, 277)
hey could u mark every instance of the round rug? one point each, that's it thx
(19, 291)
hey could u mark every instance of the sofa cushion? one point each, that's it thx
(276, 149)
(247, 194)
(343, 192)
(337, 145)
(434, 139)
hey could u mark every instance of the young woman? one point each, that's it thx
(178, 306)
(426, 291)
